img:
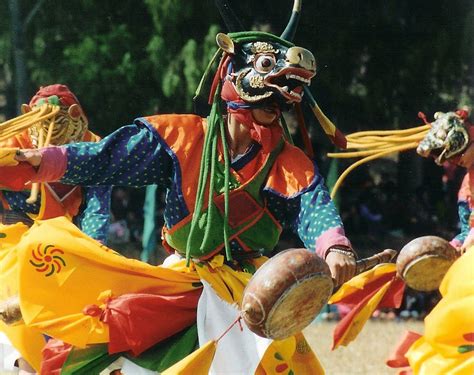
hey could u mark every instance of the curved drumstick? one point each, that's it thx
(35, 187)
(365, 264)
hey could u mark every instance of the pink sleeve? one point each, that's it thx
(331, 237)
(53, 164)
(455, 243)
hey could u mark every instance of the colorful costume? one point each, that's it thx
(268, 190)
(447, 344)
(87, 207)
(465, 205)
(214, 206)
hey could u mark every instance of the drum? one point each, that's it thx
(286, 293)
(423, 262)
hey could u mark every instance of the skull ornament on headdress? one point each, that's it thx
(70, 123)
(448, 137)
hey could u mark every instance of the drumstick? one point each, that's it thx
(35, 185)
(365, 264)
(41, 143)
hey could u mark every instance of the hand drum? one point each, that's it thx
(423, 262)
(286, 293)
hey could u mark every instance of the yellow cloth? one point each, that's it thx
(358, 282)
(447, 346)
(348, 332)
(7, 156)
(90, 272)
(197, 363)
(28, 341)
(362, 317)
(226, 282)
(86, 273)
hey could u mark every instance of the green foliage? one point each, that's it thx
(379, 63)
(122, 59)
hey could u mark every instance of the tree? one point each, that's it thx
(379, 62)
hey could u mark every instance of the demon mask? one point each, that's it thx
(69, 124)
(268, 69)
(447, 138)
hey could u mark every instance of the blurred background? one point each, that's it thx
(379, 64)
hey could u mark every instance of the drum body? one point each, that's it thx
(423, 262)
(286, 294)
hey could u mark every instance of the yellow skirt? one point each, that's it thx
(28, 341)
(447, 346)
(62, 271)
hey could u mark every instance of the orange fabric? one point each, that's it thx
(352, 296)
(90, 137)
(184, 134)
(376, 288)
(15, 178)
(350, 326)
(53, 206)
(292, 171)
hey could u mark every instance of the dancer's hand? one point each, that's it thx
(467, 244)
(32, 156)
(341, 264)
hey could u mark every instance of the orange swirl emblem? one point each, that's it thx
(48, 259)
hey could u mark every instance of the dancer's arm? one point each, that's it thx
(130, 156)
(94, 217)
(320, 226)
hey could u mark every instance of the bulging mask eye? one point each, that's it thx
(265, 63)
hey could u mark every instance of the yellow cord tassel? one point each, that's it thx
(44, 114)
(374, 144)
(17, 125)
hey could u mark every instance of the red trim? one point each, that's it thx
(136, 320)
(397, 358)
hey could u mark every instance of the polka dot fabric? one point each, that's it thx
(136, 155)
(464, 213)
(94, 215)
(17, 201)
(317, 214)
(131, 156)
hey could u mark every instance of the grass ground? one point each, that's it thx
(365, 355)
